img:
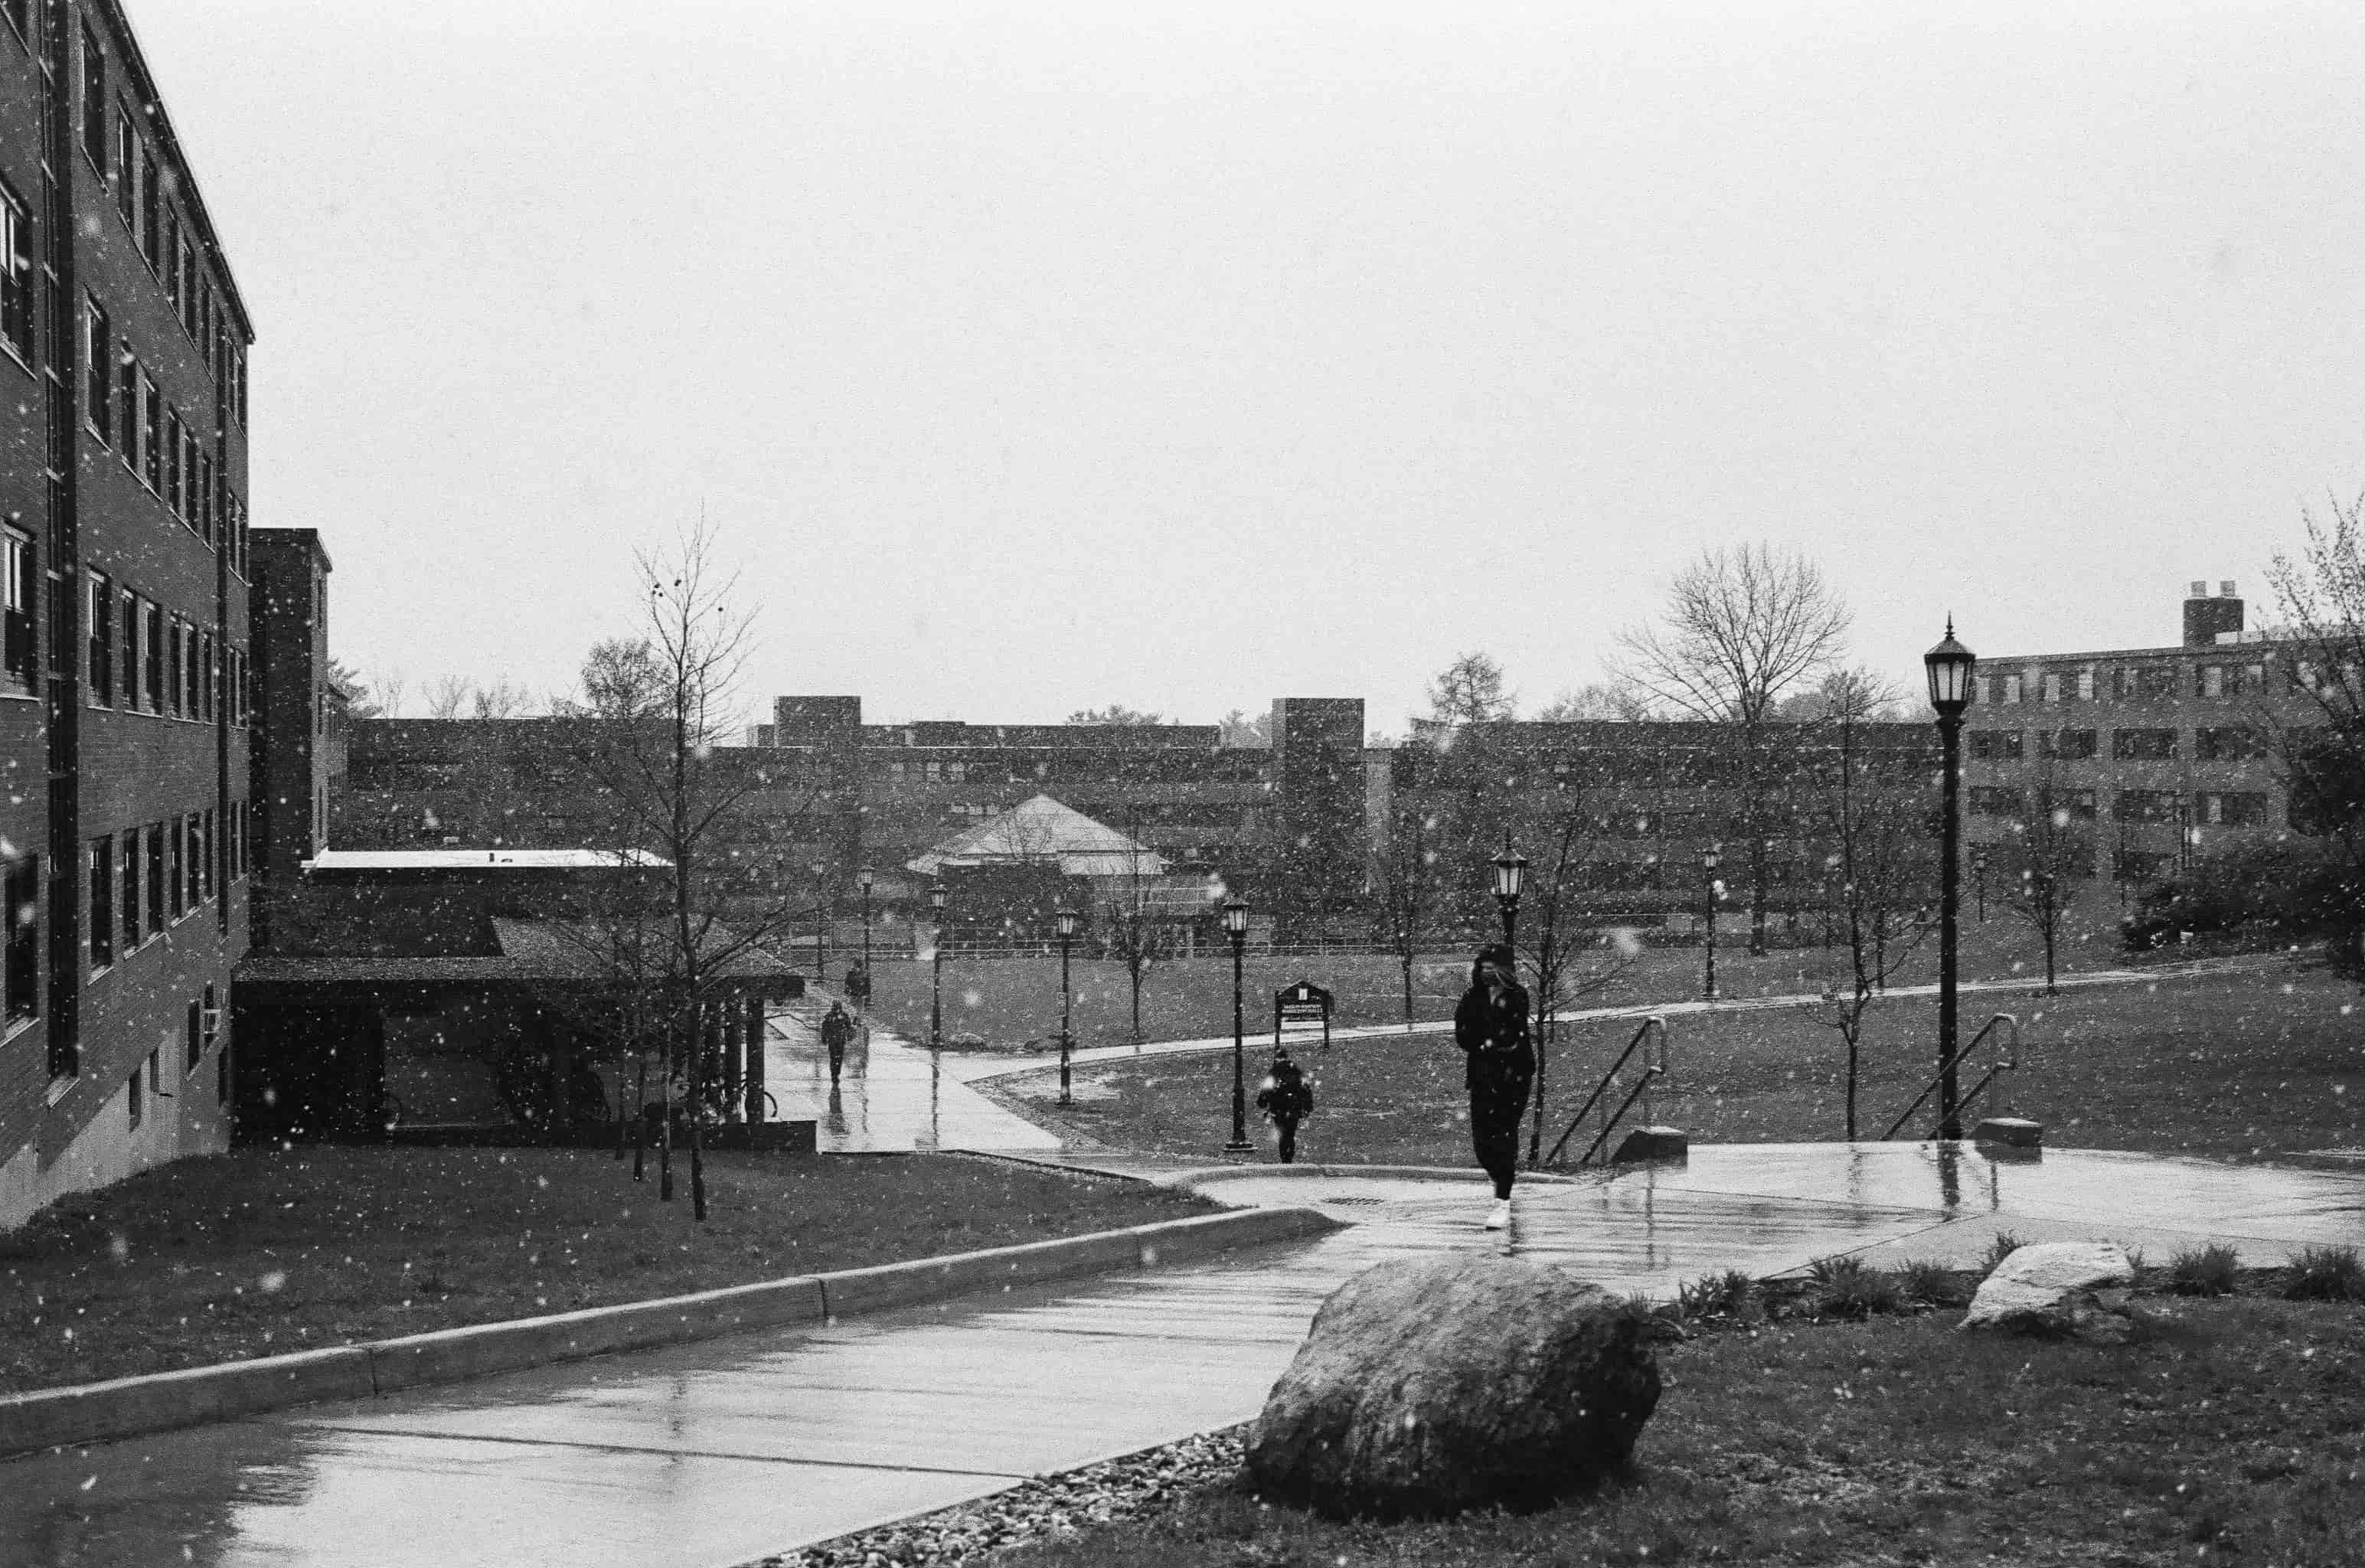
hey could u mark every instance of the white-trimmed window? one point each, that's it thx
(15, 275)
(16, 588)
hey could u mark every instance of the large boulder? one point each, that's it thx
(1428, 1387)
(2062, 1289)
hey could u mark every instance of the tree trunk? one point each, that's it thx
(640, 1117)
(665, 1128)
(697, 1138)
(1406, 958)
(1853, 1030)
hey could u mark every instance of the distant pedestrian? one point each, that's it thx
(1491, 1026)
(837, 1030)
(1286, 1100)
(857, 984)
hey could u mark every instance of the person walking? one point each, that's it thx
(837, 1030)
(1286, 1099)
(1490, 1024)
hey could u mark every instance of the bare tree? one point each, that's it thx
(447, 695)
(1601, 701)
(387, 691)
(502, 699)
(1743, 627)
(1404, 893)
(1114, 713)
(1240, 730)
(1881, 858)
(696, 895)
(1469, 691)
(2321, 595)
(2044, 864)
(1567, 962)
(1134, 936)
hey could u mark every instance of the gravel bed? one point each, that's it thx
(1113, 1489)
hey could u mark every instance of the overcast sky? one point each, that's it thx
(1033, 357)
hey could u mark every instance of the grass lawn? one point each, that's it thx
(2235, 1432)
(2246, 1064)
(263, 1251)
(1009, 1001)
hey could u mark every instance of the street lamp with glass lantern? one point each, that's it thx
(1065, 919)
(866, 876)
(1236, 926)
(1510, 870)
(1710, 859)
(820, 925)
(936, 978)
(1949, 665)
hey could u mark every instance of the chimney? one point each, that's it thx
(2207, 619)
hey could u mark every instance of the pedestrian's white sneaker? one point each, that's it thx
(1499, 1216)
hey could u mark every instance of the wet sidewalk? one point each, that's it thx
(717, 1453)
(891, 1097)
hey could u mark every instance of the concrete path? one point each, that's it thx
(890, 1096)
(716, 1453)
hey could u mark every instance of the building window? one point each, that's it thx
(152, 647)
(2003, 688)
(127, 167)
(2232, 808)
(179, 880)
(16, 582)
(1995, 801)
(175, 658)
(191, 707)
(2146, 681)
(2145, 806)
(171, 259)
(208, 688)
(98, 372)
(137, 1106)
(2143, 745)
(2057, 685)
(101, 611)
(155, 859)
(2078, 804)
(102, 903)
(16, 276)
(21, 975)
(2086, 684)
(148, 203)
(1991, 746)
(212, 854)
(176, 445)
(130, 850)
(2237, 743)
(196, 863)
(94, 100)
(194, 1036)
(151, 433)
(2069, 746)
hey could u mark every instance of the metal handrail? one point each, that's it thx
(2007, 1064)
(1655, 1023)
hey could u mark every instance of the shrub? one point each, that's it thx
(2325, 1273)
(1732, 1294)
(2004, 1245)
(1846, 1287)
(1930, 1282)
(2203, 1270)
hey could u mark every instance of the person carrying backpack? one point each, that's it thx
(1286, 1099)
(837, 1030)
(1499, 1063)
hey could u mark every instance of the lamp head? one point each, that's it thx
(936, 897)
(1510, 870)
(1066, 920)
(1236, 917)
(1949, 667)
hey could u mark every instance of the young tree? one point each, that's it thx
(1469, 691)
(696, 893)
(1566, 961)
(1404, 893)
(1602, 700)
(1114, 713)
(2044, 865)
(1743, 627)
(447, 695)
(1882, 858)
(1240, 730)
(2321, 595)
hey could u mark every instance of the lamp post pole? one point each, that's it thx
(936, 976)
(1236, 926)
(865, 999)
(1067, 924)
(1710, 857)
(1949, 665)
(821, 928)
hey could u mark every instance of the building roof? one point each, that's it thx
(532, 952)
(349, 860)
(1038, 831)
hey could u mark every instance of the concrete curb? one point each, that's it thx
(95, 1412)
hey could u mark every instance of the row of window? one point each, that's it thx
(2215, 681)
(203, 1028)
(143, 198)
(170, 665)
(2228, 808)
(2217, 744)
(147, 878)
(125, 410)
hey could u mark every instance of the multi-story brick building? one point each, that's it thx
(2161, 753)
(123, 718)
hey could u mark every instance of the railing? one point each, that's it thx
(2010, 1061)
(1654, 1025)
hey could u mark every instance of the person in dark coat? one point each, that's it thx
(837, 1030)
(1286, 1100)
(1499, 1064)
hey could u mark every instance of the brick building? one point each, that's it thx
(2160, 753)
(123, 710)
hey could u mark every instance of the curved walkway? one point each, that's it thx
(706, 1455)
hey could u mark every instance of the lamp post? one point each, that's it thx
(1236, 926)
(936, 978)
(1979, 878)
(1511, 869)
(1710, 859)
(1949, 665)
(1066, 920)
(866, 876)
